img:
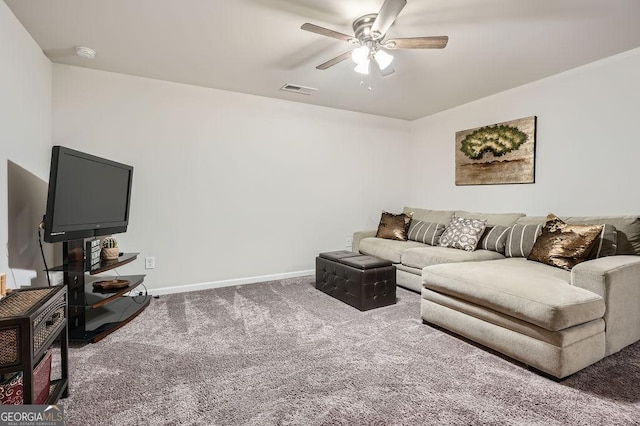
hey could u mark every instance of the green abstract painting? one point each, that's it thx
(500, 153)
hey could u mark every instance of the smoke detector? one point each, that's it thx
(85, 52)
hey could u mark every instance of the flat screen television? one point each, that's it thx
(88, 196)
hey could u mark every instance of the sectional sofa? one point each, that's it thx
(558, 321)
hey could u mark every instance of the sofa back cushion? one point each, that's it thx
(425, 232)
(425, 215)
(503, 219)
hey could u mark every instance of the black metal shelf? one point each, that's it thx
(93, 314)
(101, 321)
(90, 297)
(103, 266)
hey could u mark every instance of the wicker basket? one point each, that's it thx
(110, 253)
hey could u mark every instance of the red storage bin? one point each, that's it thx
(11, 392)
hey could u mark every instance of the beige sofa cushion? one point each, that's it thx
(426, 215)
(530, 291)
(557, 361)
(426, 255)
(504, 219)
(386, 249)
(560, 338)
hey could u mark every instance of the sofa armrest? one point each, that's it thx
(358, 236)
(617, 280)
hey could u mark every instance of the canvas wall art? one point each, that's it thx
(500, 153)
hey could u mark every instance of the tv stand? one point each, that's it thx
(94, 314)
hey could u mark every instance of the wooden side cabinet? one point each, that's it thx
(30, 321)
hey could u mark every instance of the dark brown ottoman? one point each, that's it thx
(364, 282)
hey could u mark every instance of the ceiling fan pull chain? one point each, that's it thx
(369, 88)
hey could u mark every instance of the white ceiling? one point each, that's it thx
(256, 46)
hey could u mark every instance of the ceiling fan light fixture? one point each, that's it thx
(362, 67)
(383, 59)
(370, 33)
(360, 55)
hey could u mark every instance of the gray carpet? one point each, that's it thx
(284, 353)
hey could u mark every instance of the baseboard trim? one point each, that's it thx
(228, 283)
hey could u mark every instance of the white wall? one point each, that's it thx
(25, 145)
(226, 185)
(587, 147)
(229, 186)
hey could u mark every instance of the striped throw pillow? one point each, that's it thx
(521, 239)
(606, 244)
(494, 238)
(425, 232)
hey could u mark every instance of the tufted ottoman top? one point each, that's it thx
(355, 260)
(365, 262)
(337, 255)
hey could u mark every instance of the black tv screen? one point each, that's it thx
(88, 196)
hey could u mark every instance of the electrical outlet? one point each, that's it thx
(149, 263)
(349, 242)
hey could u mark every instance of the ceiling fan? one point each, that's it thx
(370, 31)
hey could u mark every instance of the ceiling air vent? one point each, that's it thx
(295, 88)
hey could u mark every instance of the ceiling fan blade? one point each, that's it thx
(327, 32)
(386, 17)
(435, 42)
(383, 72)
(336, 60)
